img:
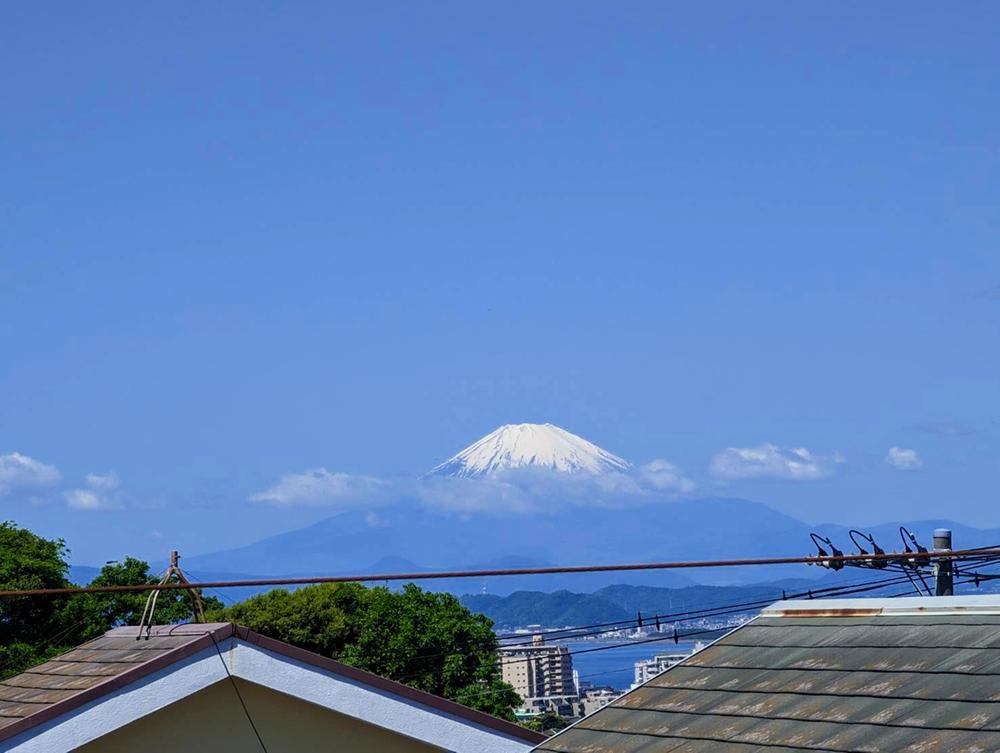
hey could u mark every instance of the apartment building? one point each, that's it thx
(540, 672)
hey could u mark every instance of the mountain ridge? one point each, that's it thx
(518, 446)
(701, 529)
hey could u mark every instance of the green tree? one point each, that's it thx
(426, 640)
(550, 721)
(28, 561)
(34, 628)
(95, 614)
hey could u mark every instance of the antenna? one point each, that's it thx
(173, 571)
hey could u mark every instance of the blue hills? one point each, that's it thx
(406, 537)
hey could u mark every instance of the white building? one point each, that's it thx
(593, 699)
(647, 669)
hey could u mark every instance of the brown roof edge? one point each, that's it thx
(391, 686)
(201, 639)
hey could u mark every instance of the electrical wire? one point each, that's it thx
(651, 640)
(606, 647)
(689, 616)
(671, 637)
(730, 612)
(419, 576)
(570, 632)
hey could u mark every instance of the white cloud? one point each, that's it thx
(483, 495)
(83, 499)
(903, 459)
(770, 461)
(514, 492)
(101, 493)
(322, 488)
(18, 471)
(664, 476)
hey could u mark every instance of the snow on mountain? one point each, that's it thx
(530, 446)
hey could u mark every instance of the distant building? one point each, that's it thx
(593, 699)
(541, 673)
(647, 669)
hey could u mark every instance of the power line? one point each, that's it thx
(658, 639)
(825, 561)
(718, 613)
(742, 609)
(722, 610)
(705, 611)
(606, 647)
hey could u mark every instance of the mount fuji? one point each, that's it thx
(405, 531)
(520, 446)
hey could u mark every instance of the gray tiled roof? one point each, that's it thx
(93, 670)
(96, 667)
(865, 683)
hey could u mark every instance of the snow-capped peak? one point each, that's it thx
(530, 446)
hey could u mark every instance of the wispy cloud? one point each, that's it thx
(946, 429)
(323, 488)
(771, 461)
(100, 493)
(19, 472)
(518, 491)
(663, 475)
(480, 495)
(903, 459)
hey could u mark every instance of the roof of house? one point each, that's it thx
(95, 672)
(850, 676)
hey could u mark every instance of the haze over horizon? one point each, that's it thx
(754, 255)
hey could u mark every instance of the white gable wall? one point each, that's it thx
(213, 720)
(253, 664)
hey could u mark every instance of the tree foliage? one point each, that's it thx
(426, 640)
(550, 721)
(34, 628)
(95, 614)
(29, 561)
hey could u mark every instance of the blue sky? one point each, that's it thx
(242, 241)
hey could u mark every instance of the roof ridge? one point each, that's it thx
(113, 682)
(195, 637)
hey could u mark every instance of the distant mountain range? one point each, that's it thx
(620, 603)
(580, 505)
(410, 538)
(614, 603)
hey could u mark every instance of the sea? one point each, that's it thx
(615, 666)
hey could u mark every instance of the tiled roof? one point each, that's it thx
(94, 669)
(848, 681)
(116, 659)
